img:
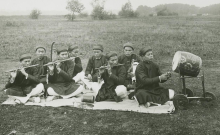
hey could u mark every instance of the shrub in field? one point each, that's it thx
(75, 7)
(11, 24)
(127, 11)
(70, 17)
(166, 12)
(99, 12)
(83, 15)
(35, 14)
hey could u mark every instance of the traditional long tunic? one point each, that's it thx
(94, 63)
(62, 82)
(147, 84)
(42, 70)
(107, 91)
(127, 61)
(22, 86)
(78, 66)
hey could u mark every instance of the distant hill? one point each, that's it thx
(180, 9)
(213, 9)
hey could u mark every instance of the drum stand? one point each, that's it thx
(181, 101)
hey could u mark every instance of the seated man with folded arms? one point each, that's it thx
(128, 58)
(24, 83)
(148, 77)
(60, 77)
(41, 60)
(114, 77)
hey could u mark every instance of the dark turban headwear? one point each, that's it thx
(25, 56)
(111, 54)
(71, 48)
(61, 49)
(40, 46)
(144, 50)
(98, 47)
(128, 45)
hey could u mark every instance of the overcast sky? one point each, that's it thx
(10, 7)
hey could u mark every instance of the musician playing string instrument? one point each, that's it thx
(41, 60)
(148, 77)
(114, 78)
(127, 59)
(24, 82)
(96, 61)
(60, 77)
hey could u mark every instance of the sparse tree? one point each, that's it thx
(127, 11)
(35, 14)
(75, 7)
(99, 12)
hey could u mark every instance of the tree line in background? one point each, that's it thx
(99, 13)
(177, 9)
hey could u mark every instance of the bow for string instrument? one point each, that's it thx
(59, 61)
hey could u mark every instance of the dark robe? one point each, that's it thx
(78, 66)
(42, 70)
(22, 86)
(127, 61)
(147, 84)
(107, 91)
(94, 63)
(62, 82)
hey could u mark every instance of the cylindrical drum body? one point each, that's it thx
(187, 64)
(88, 98)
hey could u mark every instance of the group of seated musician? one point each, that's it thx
(110, 75)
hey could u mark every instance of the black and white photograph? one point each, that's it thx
(109, 67)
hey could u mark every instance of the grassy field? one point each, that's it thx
(166, 35)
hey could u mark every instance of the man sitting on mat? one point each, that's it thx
(24, 83)
(128, 58)
(148, 77)
(114, 78)
(41, 60)
(60, 77)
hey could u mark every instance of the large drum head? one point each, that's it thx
(176, 60)
(186, 63)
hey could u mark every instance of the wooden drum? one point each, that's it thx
(186, 64)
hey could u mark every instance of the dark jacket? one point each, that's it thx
(65, 74)
(62, 82)
(147, 84)
(42, 70)
(147, 76)
(107, 91)
(127, 61)
(21, 81)
(123, 59)
(78, 66)
(22, 86)
(94, 63)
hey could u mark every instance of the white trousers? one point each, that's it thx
(171, 94)
(35, 91)
(81, 77)
(120, 90)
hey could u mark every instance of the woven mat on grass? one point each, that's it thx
(125, 105)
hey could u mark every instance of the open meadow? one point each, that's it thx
(166, 35)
